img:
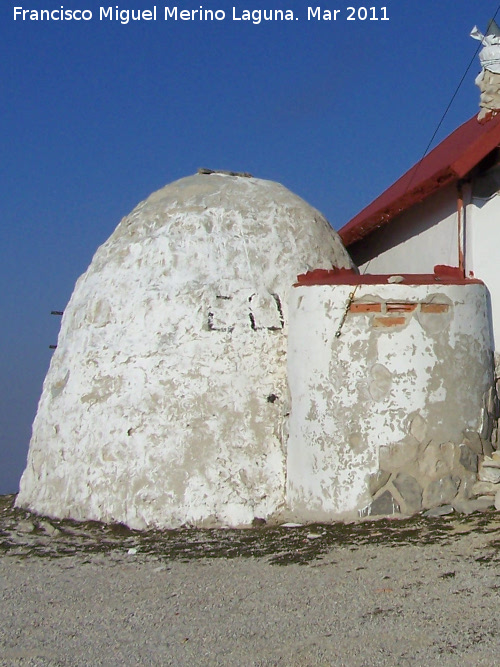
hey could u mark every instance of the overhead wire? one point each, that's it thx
(450, 103)
(353, 292)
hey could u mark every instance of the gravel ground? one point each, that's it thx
(414, 592)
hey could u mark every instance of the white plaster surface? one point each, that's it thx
(418, 239)
(483, 239)
(377, 387)
(166, 400)
(427, 234)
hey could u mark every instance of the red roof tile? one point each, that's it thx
(450, 161)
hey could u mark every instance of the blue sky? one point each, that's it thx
(95, 115)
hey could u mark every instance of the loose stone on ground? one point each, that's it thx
(416, 591)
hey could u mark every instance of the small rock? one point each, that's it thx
(477, 505)
(395, 279)
(291, 525)
(399, 455)
(49, 528)
(468, 458)
(377, 480)
(437, 460)
(25, 526)
(484, 489)
(473, 441)
(258, 521)
(440, 511)
(486, 430)
(468, 481)
(383, 505)
(312, 536)
(489, 474)
(491, 402)
(410, 491)
(491, 461)
(487, 447)
(132, 551)
(441, 491)
(430, 463)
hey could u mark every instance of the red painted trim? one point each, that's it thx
(449, 162)
(443, 275)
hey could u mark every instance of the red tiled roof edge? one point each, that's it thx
(450, 161)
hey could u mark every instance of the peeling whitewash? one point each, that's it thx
(428, 234)
(483, 237)
(166, 401)
(383, 403)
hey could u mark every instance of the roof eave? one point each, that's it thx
(458, 154)
(362, 225)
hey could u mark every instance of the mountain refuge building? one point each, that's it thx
(223, 359)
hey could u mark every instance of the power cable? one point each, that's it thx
(450, 103)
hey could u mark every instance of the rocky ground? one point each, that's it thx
(393, 592)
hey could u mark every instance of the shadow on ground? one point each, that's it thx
(24, 534)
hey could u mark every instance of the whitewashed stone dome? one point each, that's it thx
(166, 401)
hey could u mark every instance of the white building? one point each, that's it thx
(399, 367)
(444, 211)
(198, 381)
(392, 394)
(166, 402)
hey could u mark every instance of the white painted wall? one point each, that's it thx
(416, 240)
(426, 235)
(482, 256)
(378, 385)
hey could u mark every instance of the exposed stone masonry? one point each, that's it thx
(420, 474)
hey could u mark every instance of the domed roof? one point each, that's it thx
(166, 401)
(221, 218)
